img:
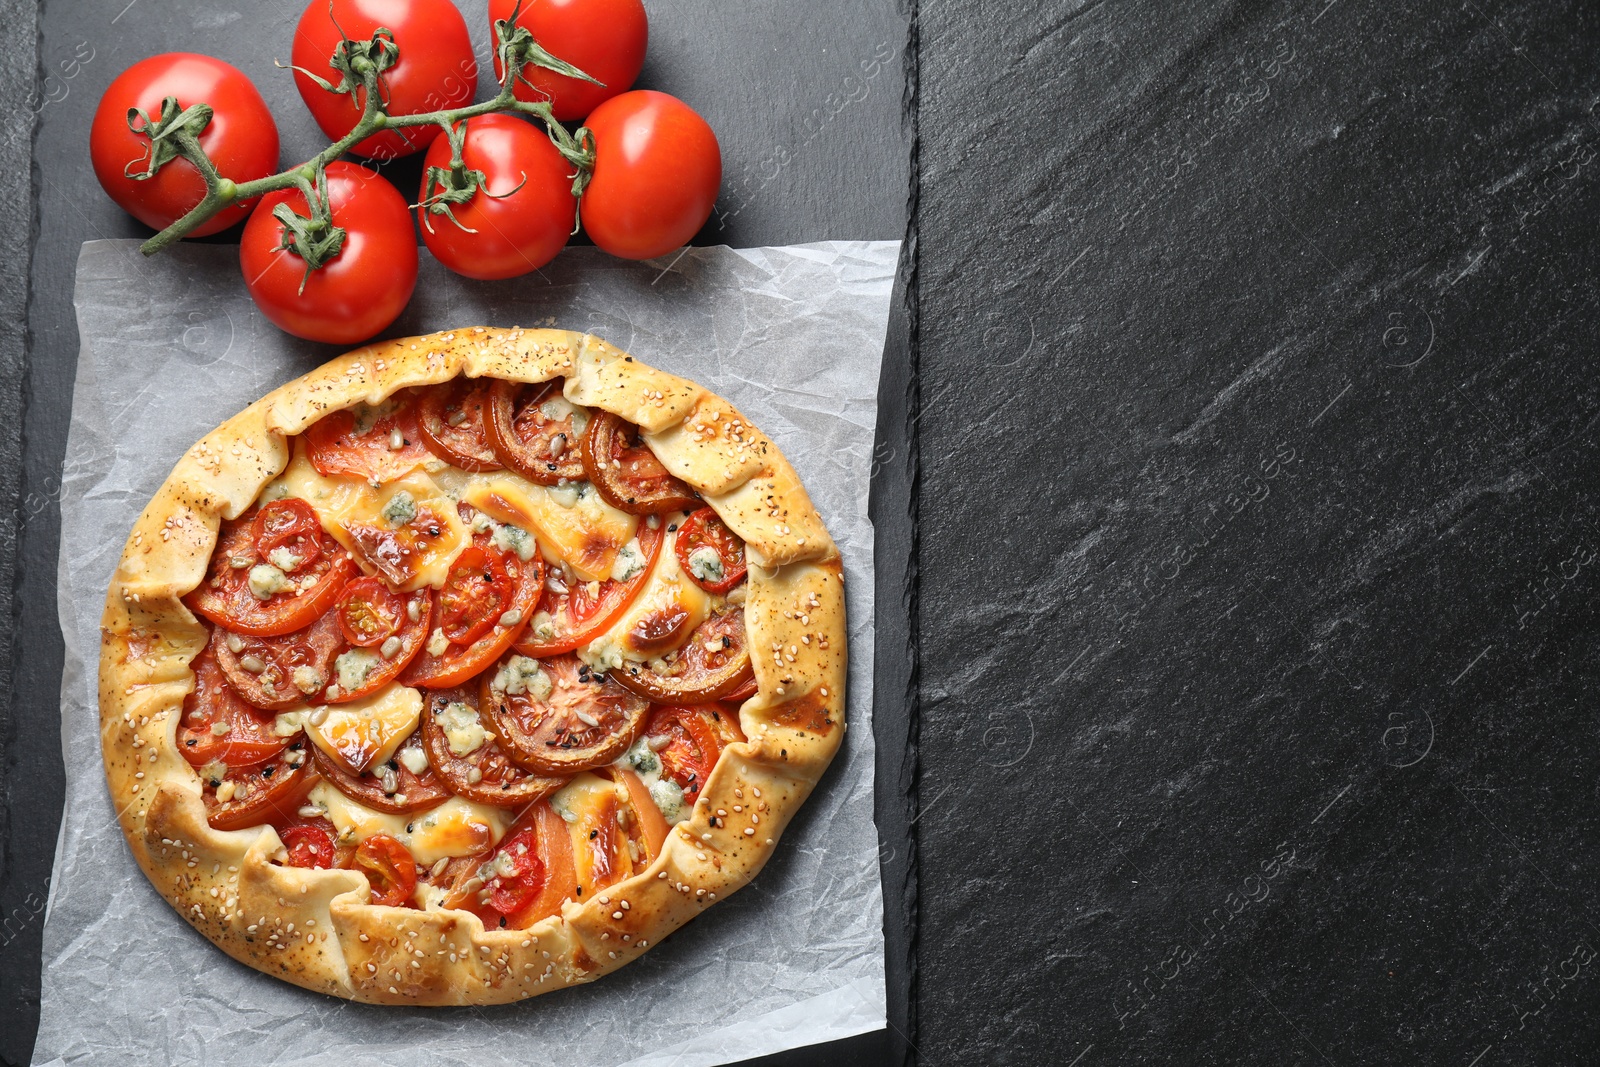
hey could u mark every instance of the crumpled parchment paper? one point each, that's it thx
(172, 346)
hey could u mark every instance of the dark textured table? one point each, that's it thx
(1249, 432)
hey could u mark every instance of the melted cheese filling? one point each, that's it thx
(455, 828)
(571, 522)
(668, 594)
(366, 732)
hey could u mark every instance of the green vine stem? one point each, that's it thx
(361, 65)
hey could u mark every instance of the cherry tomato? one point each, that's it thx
(389, 869)
(536, 876)
(518, 219)
(712, 664)
(356, 293)
(542, 447)
(369, 613)
(218, 725)
(436, 69)
(605, 39)
(277, 673)
(709, 553)
(271, 602)
(292, 525)
(657, 169)
(688, 742)
(570, 615)
(395, 651)
(339, 443)
(482, 772)
(309, 843)
(627, 473)
(476, 593)
(452, 419)
(573, 721)
(241, 138)
(461, 660)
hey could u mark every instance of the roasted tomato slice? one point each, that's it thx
(445, 663)
(525, 879)
(375, 444)
(393, 786)
(452, 419)
(709, 553)
(309, 843)
(277, 673)
(536, 432)
(219, 726)
(574, 612)
(625, 471)
(245, 593)
(389, 868)
(369, 612)
(555, 717)
(688, 741)
(616, 829)
(466, 755)
(476, 592)
(712, 664)
(288, 534)
(648, 829)
(370, 669)
(744, 691)
(270, 792)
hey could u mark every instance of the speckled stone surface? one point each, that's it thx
(1259, 543)
(808, 103)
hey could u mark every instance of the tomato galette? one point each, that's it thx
(469, 666)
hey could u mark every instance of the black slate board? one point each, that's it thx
(1258, 585)
(808, 106)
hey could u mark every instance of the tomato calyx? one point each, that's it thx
(170, 133)
(457, 184)
(314, 239)
(358, 62)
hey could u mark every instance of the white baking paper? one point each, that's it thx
(172, 346)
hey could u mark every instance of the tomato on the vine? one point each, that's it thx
(241, 139)
(518, 219)
(435, 71)
(657, 169)
(605, 39)
(357, 292)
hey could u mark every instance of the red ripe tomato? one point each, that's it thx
(356, 293)
(657, 169)
(521, 216)
(603, 38)
(241, 139)
(309, 843)
(436, 69)
(389, 868)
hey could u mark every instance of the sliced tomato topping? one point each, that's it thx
(688, 742)
(648, 828)
(616, 833)
(625, 471)
(556, 717)
(384, 664)
(288, 534)
(375, 444)
(574, 612)
(309, 843)
(391, 786)
(444, 662)
(470, 760)
(476, 593)
(744, 691)
(395, 552)
(277, 673)
(712, 664)
(246, 593)
(452, 419)
(389, 868)
(270, 792)
(527, 876)
(369, 612)
(534, 437)
(709, 553)
(217, 725)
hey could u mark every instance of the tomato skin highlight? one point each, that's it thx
(389, 868)
(241, 138)
(657, 171)
(606, 39)
(436, 69)
(355, 294)
(522, 215)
